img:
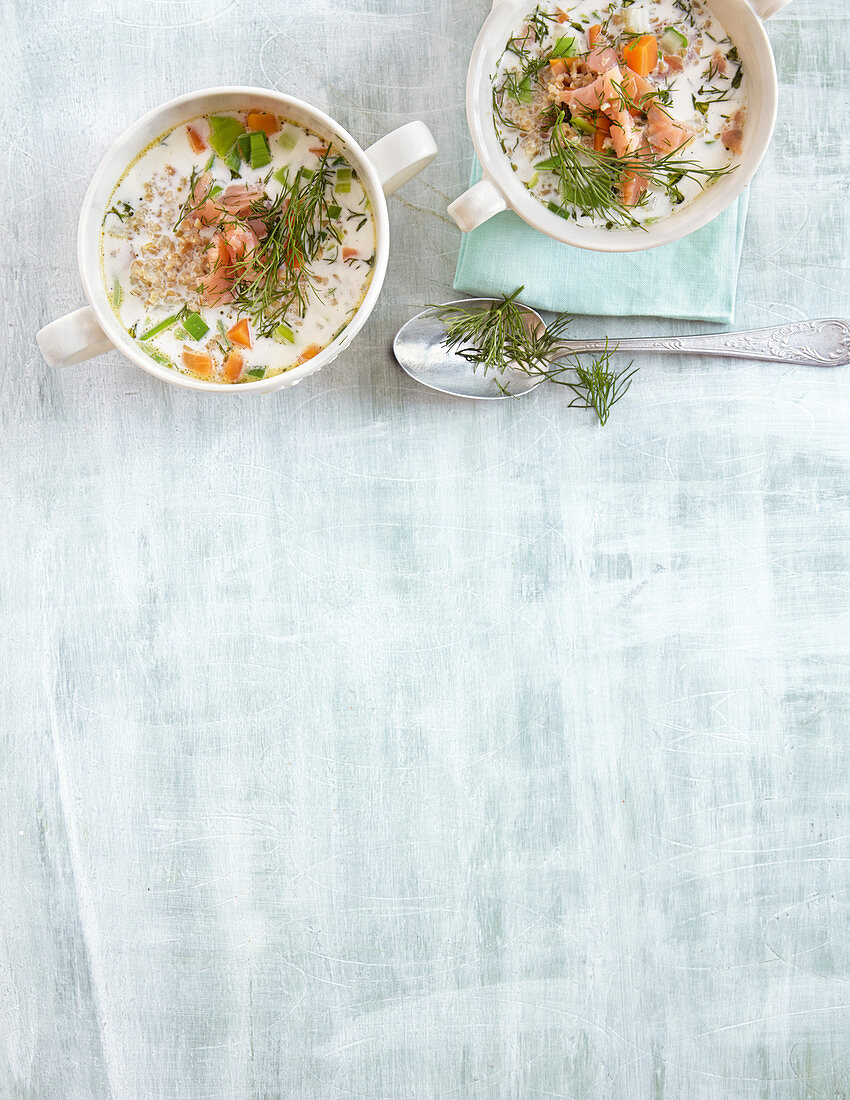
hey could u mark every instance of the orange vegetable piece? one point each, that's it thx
(562, 17)
(558, 66)
(348, 253)
(199, 362)
(196, 142)
(603, 128)
(233, 365)
(262, 120)
(319, 150)
(240, 333)
(308, 353)
(641, 54)
(593, 34)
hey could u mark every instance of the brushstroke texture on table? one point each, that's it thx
(358, 742)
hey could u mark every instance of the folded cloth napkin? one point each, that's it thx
(695, 277)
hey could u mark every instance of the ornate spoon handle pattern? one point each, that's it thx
(805, 343)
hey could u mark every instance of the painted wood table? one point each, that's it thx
(359, 742)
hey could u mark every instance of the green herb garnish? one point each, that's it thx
(121, 210)
(298, 223)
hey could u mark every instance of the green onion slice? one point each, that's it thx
(195, 325)
(260, 152)
(564, 47)
(162, 326)
(224, 131)
(283, 332)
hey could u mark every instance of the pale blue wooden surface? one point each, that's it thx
(361, 743)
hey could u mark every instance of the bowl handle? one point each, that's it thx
(477, 205)
(766, 8)
(72, 339)
(402, 154)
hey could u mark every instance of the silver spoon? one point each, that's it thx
(420, 352)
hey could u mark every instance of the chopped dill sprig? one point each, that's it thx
(597, 386)
(121, 210)
(507, 336)
(275, 277)
(590, 181)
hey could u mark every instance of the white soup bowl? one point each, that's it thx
(500, 188)
(95, 329)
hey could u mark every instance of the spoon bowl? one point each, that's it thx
(419, 349)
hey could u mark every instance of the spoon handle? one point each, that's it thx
(806, 343)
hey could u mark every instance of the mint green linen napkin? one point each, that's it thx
(695, 277)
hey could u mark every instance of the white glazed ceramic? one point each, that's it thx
(500, 189)
(93, 330)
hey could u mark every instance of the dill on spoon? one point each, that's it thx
(506, 336)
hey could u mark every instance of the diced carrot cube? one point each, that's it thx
(196, 142)
(240, 333)
(262, 120)
(233, 366)
(641, 54)
(603, 128)
(308, 353)
(349, 253)
(562, 17)
(319, 150)
(558, 66)
(198, 362)
(593, 34)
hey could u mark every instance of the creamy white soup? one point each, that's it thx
(237, 246)
(618, 114)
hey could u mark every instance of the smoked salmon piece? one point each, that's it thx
(606, 94)
(600, 61)
(196, 142)
(663, 134)
(242, 241)
(633, 184)
(732, 134)
(237, 198)
(217, 282)
(624, 135)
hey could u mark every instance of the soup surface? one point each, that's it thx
(237, 246)
(618, 114)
